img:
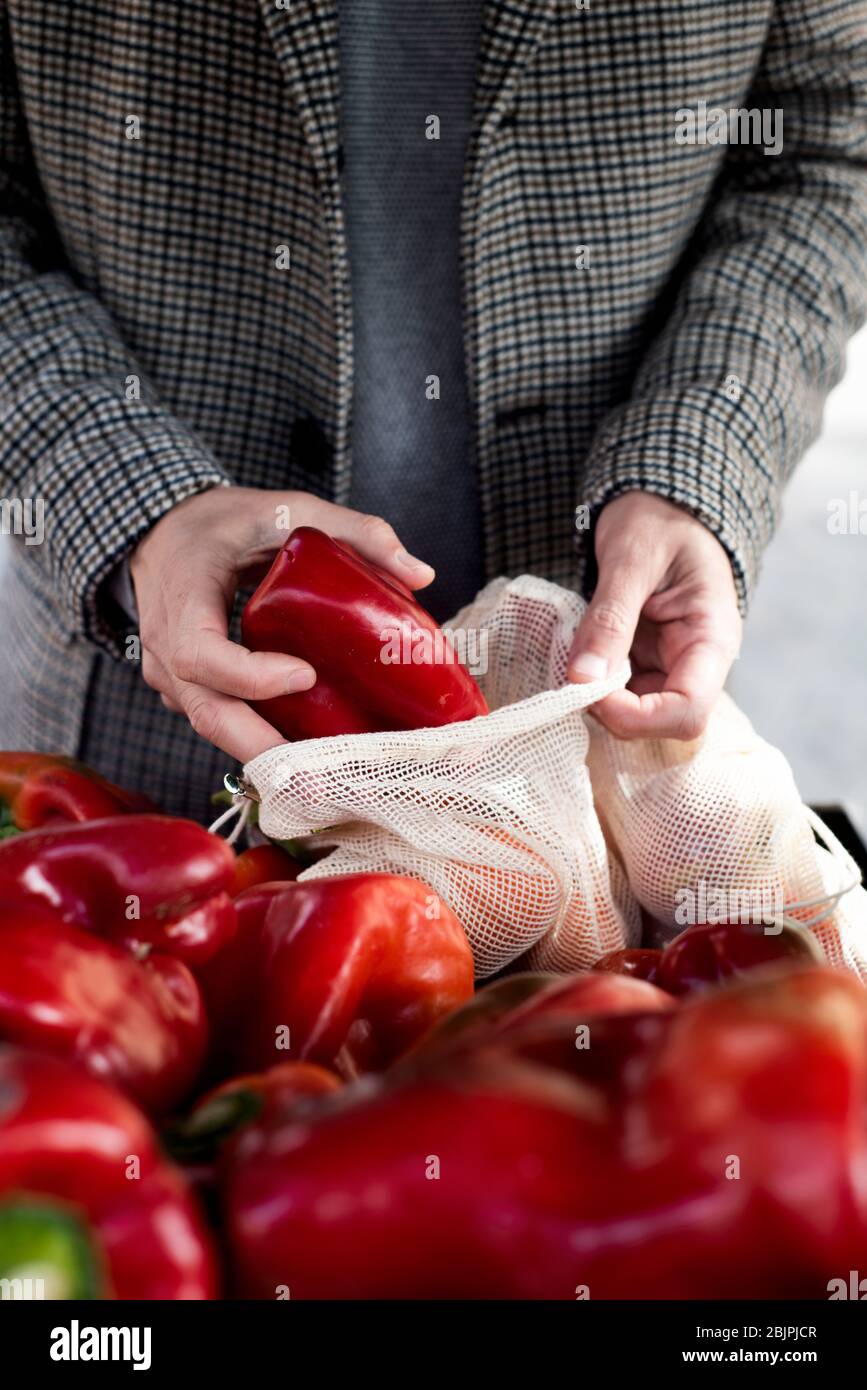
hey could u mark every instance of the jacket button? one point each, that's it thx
(308, 447)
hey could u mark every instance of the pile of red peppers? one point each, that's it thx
(143, 964)
(220, 1080)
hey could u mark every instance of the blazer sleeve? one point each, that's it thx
(731, 392)
(105, 467)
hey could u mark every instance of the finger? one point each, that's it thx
(373, 538)
(154, 673)
(700, 672)
(657, 714)
(199, 652)
(647, 682)
(228, 723)
(207, 658)
(680, 709)
(157, 677)
(645, 652)
(604, 636)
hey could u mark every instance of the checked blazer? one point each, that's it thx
(639, 312)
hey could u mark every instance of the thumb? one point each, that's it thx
(604, 636)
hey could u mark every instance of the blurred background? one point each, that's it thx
(802, 674)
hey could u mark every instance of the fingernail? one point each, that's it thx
(411, 563)
(302, 678)
(590, 665)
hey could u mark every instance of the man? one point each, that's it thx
(519, 285)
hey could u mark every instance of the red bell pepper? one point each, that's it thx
(73, 1148)
(641, 964)
(754, 1098)
(762, 1087)
(279, 1089)
(579, 997)
(481, 1015)
(264, 864)
(440, 1188)
(599, 1033)
(496, 1178)
(710, 954)
(508, 1005)
(138, 1024)
(611, 1056)
(732, 1164)
(41, 788)
(594, 1027)
(348, 972)
(145, 881)
(202, 1138)
(231, 981)
(321, 601)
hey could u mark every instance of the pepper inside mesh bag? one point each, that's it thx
(718, 824)
(495, 814)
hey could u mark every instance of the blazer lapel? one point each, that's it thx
(305, 39)
(511, 32)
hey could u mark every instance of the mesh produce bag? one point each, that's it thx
(842, 935)
(718, 823)
(494, 814)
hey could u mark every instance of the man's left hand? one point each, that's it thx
(665, 598)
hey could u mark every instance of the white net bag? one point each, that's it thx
(494, 814)
(719, 822)
(842, 935)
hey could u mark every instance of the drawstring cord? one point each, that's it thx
(828, 901)
(243, 796)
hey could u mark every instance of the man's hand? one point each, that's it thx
(186, 572)
(666, 600)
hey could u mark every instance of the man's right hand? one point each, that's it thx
(186, 572)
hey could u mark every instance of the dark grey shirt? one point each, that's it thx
(413, 457)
